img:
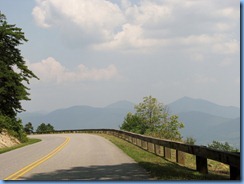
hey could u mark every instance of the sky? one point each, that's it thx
(97, 52)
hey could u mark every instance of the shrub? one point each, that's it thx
(14, 127)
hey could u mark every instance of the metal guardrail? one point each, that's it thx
(153, 145)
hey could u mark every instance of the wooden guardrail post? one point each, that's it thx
(144, 145)
(158, 150)
(150, 147)
(167, 153)
(202, 164)
(180, 157)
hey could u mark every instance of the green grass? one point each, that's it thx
(160, 168)
(30, 141)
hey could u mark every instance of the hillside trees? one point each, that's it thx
(14, 75)
(44, 128)
(29, 128)
(222, 146)
(152, 118)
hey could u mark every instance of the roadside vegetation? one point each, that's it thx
(163, 169)
(45, 128)
(153, 118)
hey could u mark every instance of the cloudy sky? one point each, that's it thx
(96, 52)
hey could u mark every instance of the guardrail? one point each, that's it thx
(153, 145)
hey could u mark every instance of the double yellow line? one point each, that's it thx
(31, 166)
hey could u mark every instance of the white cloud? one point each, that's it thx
(228, 47)
(94, 18)
(50, 70)
(105, 25)
(41, 14)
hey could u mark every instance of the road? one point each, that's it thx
(69, 157)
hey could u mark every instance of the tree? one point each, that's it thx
(190, 140)
(14, 72)
(222, 146)
(151, 111)
(134, 124)
(49, 128)
(43, 128)
(152, 118)
(28, 128)
(169, 129)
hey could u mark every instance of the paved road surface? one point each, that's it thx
(70, 157)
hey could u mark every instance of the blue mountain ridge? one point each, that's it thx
(203, 120)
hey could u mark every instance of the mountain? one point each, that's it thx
(203, 120)
(81, 117)
(206, 127)
(187, 104)
(228, 131)
(121, 105)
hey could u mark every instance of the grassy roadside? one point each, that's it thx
(30, 141)
(160, 168)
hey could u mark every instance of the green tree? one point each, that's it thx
(14, 73)
(134, 123)
(152, 118)
(151, 111)
(49, 127)
(43, 128)
(28, 128)
(190, 140)
(169, 129)
(222, 146)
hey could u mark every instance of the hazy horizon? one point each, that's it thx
(98, 52)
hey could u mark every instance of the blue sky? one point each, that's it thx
(98, 52)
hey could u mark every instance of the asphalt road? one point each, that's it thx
(69, 157)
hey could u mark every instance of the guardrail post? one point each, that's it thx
(167, 152)
(158, 150)
(150, 149)
(138, 142)
(234, 173)
(180, 157)
(202, 164)
(145, 145)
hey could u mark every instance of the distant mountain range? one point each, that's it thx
(203, 120)
(187, 104)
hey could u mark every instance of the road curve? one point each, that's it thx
(70, 157)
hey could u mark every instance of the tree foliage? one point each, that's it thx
(14, 72)
(29, 128)
(44, 128)
(222, 146)
(133, 123)
(152, 118)
(13, 126)
(190, 140)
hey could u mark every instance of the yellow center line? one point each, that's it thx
(31, 166)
